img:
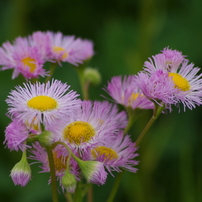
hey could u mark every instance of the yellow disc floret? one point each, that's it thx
(59, 162)
(78, 132)
(107, 153)
(42, 103)
(60, 50)
(31, 63)
(180, 82)
(133, 97)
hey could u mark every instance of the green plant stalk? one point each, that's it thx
(52, 69)
(84, 85)
(52, 173)
(115, 187)
(132, 117)
(157, 111)
(90, 193)
(68, 197)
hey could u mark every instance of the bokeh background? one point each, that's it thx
(125, 34)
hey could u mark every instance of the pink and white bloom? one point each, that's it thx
(16, 134)
(22, 58)
(42, 102)
(157, 87)
(68, 48)
(115, 155)
(127, 93)
(86, 126)
(184, 76)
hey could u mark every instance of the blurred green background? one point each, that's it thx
(125, 34)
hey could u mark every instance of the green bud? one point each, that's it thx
(69, 181)
(92, 75)
(21, 172)
(46, 138)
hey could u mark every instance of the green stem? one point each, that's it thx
(78, 193)
(52, 69)
(90, 194)
(84, 85)
(131, 120)
(115, 187)
(52, 172)
(157, 111)
(132, 117)
(68, 197)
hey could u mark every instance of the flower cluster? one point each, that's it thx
(167, 79)
(48, 120)
(75, 138)
(80, 130)
(27, 55)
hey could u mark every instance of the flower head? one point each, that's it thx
(60, 156)
(157, 87)
(16, 134)
(42, 103)
(86, 126)
(68, 48)
(168, 60)
(186, 83)
(126, 93)
(117, 154)
(23, 58)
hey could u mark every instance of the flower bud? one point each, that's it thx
(93, 171)
(46, 138)
(92, 75)
(21, 172)
(69, 181)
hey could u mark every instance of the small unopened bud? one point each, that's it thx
(92, 75)
(69, 181)
(46, 138)
(21, 172)
(93, 171)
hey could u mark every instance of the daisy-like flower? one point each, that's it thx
(169, 59)
(60, 156)
(68, 48)
(16, 134)
(88, 125)
(126, 93)
(120, 117)
(23, 58)
(157, 87)
(42, 103)
(42, 41)
(184, 77)
(189, 85)
(85, 47)
(115, 155)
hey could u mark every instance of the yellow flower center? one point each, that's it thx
(31, 63)
(42, 103)
(108, 153)
(33, 125)
(78, 132)
(133, 97)
(180, 82)
(59, 162)
(60, 50)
